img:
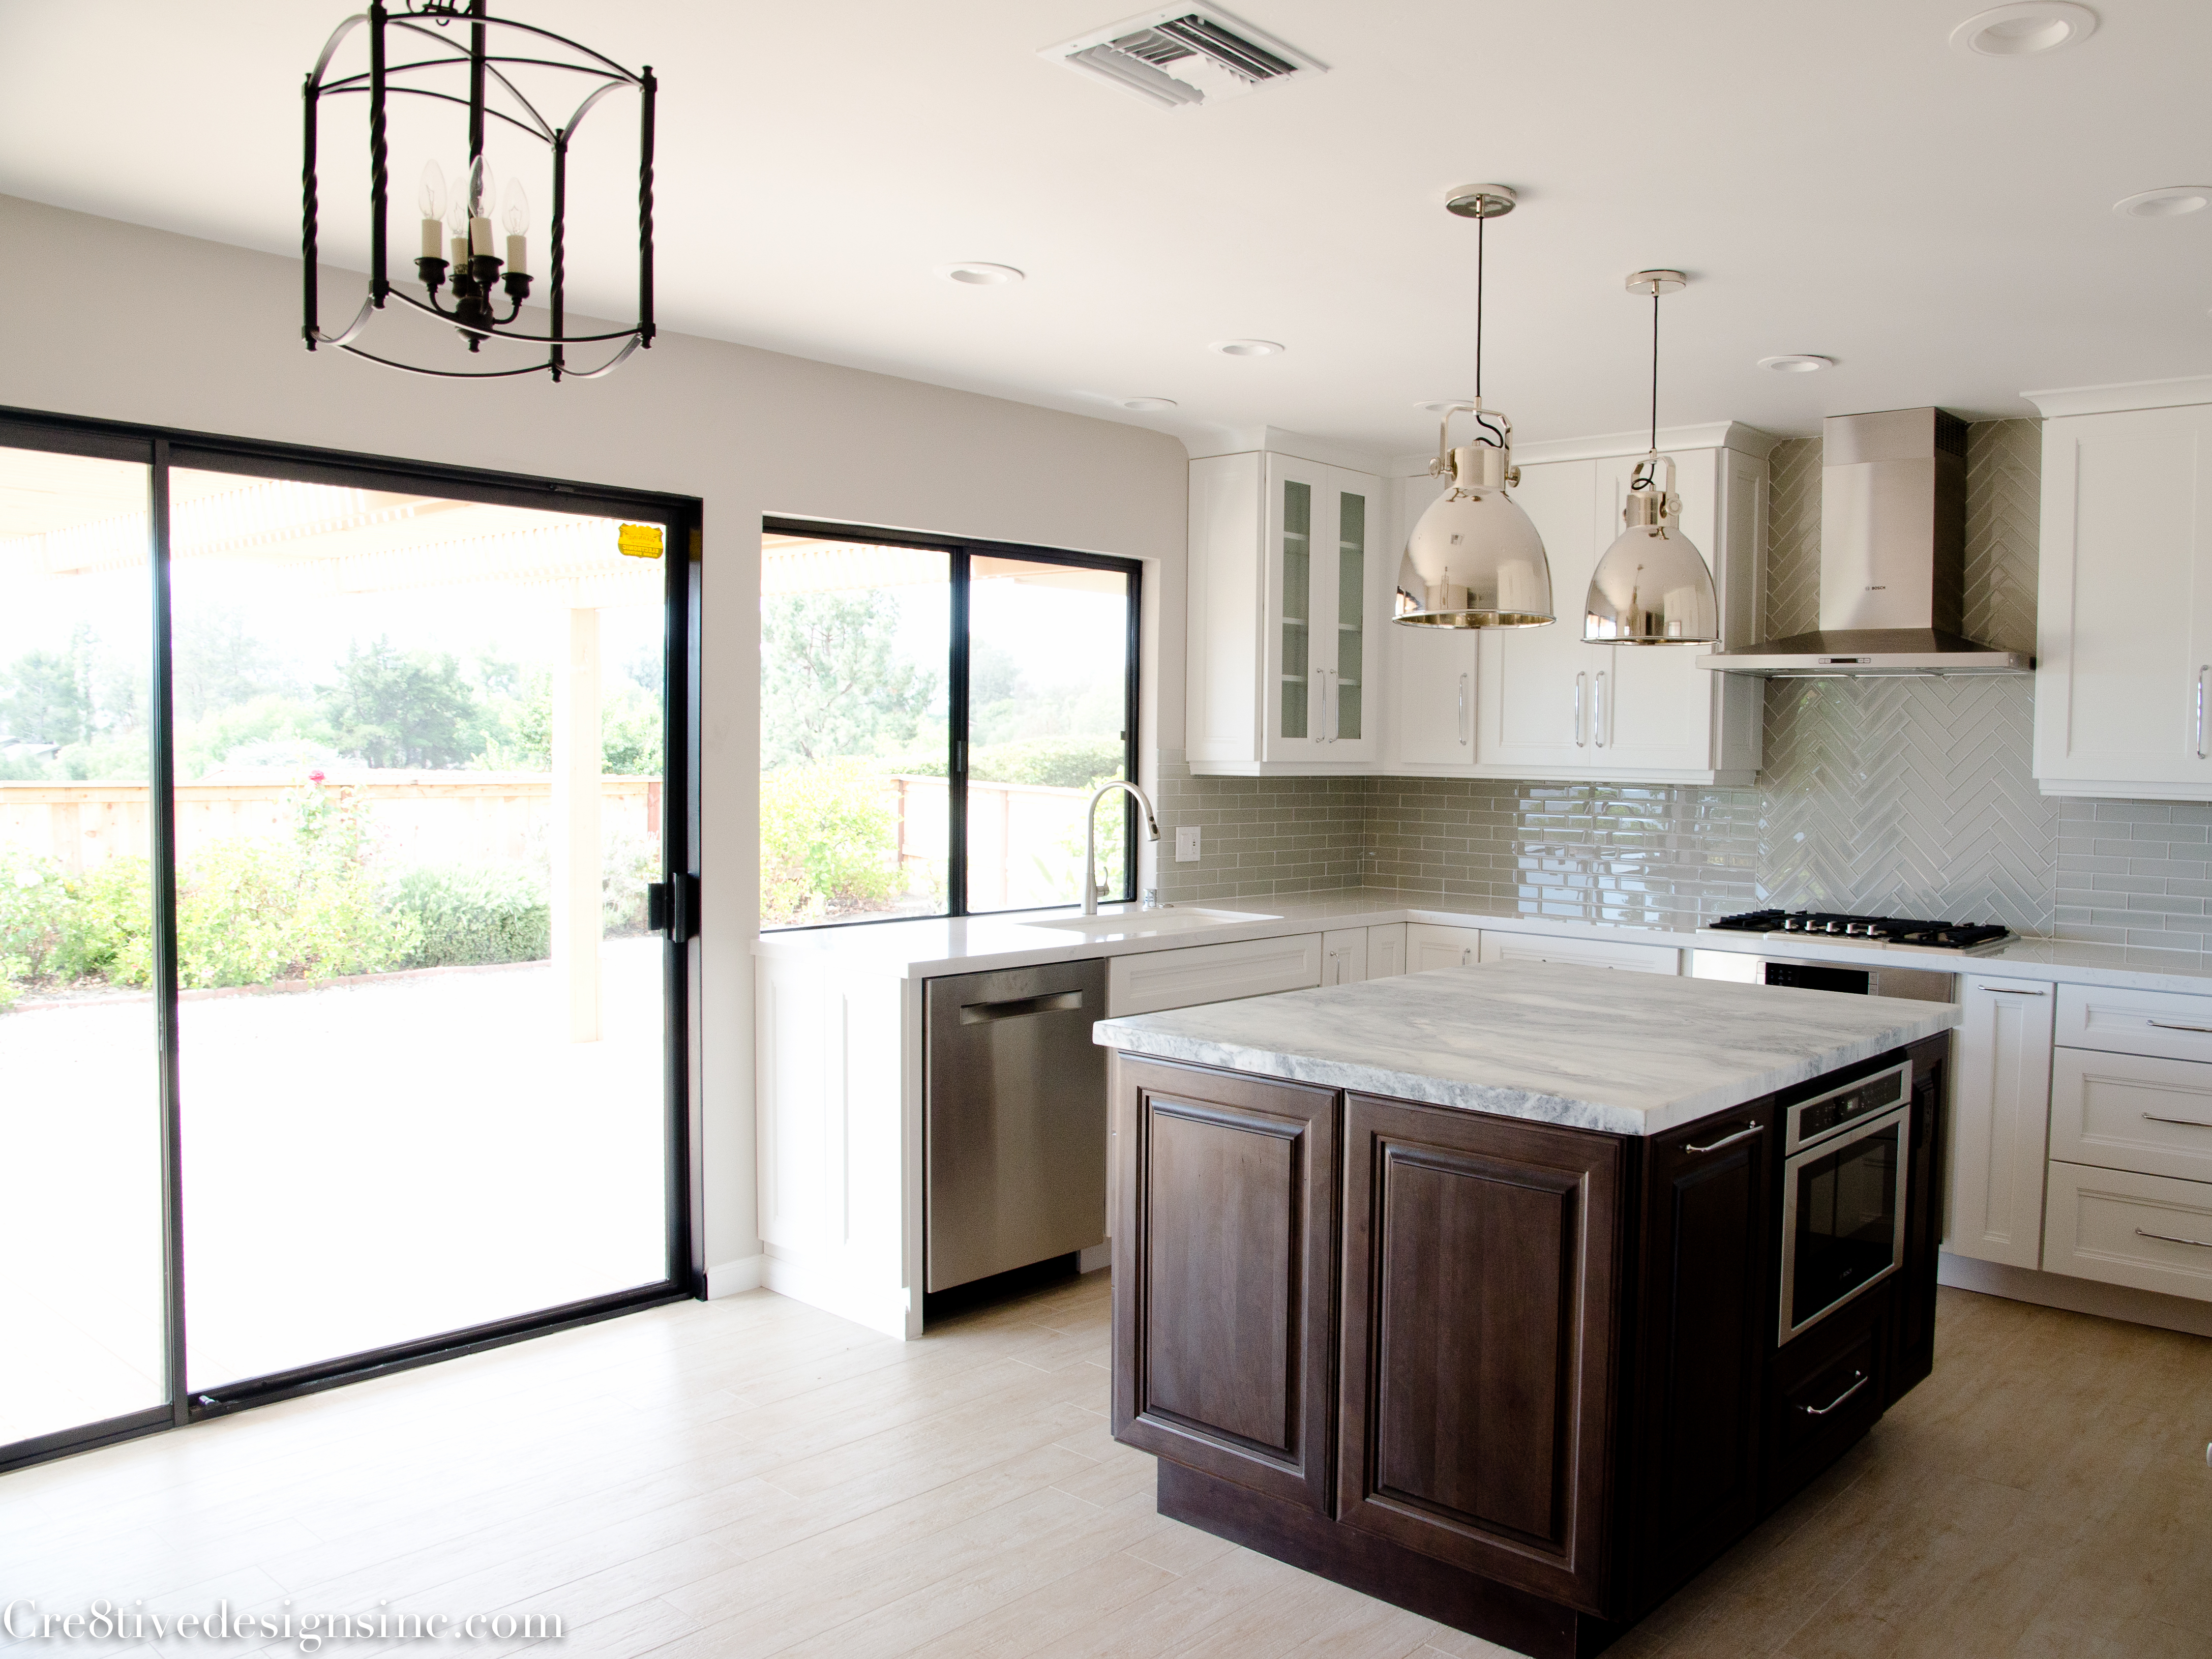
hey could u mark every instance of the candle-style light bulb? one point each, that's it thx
(483, 188)
(514, 213)
(457, 220)
(432, 201)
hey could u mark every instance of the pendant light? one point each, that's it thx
(1475, 560)
(1652, 587)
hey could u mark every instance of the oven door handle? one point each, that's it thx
(1728, 1140)
(1822, 1411)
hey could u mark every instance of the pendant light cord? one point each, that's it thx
(1481, 220)
(1654, 369)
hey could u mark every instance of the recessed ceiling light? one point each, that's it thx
(1438, 405)
(978, 275)
(1247, 348)
(2018, 31)
(2163, 203)
(1146, 405)
(1796, 362)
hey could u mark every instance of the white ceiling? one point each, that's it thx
(1835, 178)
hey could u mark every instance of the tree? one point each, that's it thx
(47, 696)
(220, 665)
(831, 683)
(408, 708)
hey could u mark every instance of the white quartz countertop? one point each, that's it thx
(923, 949)
(1588, 1047)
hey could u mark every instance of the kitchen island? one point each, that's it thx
(1514, 1294)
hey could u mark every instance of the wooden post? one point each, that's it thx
(576, 838)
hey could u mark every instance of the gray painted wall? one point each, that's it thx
(1909, 797)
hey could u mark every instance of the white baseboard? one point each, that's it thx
(2082, 1296)
(1097, 1257)
(734, 1278)
(878, 1308)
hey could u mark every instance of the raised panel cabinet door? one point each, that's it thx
(1432, 724)
(1344, 956)
(1537, 685)
(1705, 1273)
(1224, 1248)
(1912, 1338)
(1479, 1305)
(1386, 949)
(2001, 1119)
(2122, 640)
(1431, 944)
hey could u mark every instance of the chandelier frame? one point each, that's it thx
(419, 21)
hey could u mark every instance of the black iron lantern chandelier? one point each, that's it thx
(443, 51)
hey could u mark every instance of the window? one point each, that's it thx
(935, 717)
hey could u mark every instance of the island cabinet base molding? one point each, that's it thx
(1374, 1566)
(1523, 1378)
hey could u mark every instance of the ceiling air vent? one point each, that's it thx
(1180, 56)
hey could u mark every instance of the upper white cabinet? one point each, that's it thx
(1548, 705)
(2123, 630)
(1288, 602)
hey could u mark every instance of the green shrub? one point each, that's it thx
(465, 913)
(829, 840)
(34, 905)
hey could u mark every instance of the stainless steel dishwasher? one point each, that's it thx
(1013, 1119)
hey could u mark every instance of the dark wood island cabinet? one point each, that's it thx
(1524, 1379)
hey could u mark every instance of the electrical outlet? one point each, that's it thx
(1185, 843)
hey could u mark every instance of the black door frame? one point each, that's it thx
(159, 449)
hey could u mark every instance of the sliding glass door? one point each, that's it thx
(83, 1301)
(361, 785)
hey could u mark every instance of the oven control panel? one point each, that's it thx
(1816, 1119)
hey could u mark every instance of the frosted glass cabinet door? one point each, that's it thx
(1322, 542)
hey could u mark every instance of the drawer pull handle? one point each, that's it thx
(2008, 991)
(2178, 1025)
(2168, 1238)
(2193, 1123)
(1741, 1135)
(1822, 1411)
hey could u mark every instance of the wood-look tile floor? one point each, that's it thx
(751, 1477)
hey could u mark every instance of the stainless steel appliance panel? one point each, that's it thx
(1014, 1119)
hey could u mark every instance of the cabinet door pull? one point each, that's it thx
(2168, 1238)
(1822, 1411)
(2201, 673)
(2178, 1025)
(1597, 711)
(1463, 711)
(2193, 1123)
(1730, 1140)
(2008, 991)
(1581, 681)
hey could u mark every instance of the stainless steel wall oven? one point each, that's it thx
(1845, 1155)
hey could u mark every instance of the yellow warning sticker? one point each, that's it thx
(639, 541)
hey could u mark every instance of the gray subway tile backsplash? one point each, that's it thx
(1908, 797)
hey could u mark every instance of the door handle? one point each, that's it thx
(1463, 711)
(1822, 1411)
(1597, 712)
(1730, 1140)
(2201, 673)
(1581, 681)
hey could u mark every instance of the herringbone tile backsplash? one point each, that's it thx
(1910, 797)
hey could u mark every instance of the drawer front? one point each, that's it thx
(1589, 952)
(1430, 945)
(2130, 1112)
(2150, 1231)
(1211, 973)
(2169, 1024)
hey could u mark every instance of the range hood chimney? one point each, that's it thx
(1892, 559)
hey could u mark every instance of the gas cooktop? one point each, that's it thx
(1865, 930)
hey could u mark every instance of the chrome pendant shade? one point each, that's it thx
(1652, 587)
(1475, 560)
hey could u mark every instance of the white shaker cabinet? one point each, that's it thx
(1386, 949)
(1344, 956)
(1432, 674)
(1288, 596)
(1430, 945)
(2124, 628)
(2000, 1118)
(1549, 705)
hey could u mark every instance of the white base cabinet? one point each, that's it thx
(1386, 949)
(1160, 979)
(2000, 1107)
(1431, 944)
(2149, 1232)
(1586, 953)
(1344, 956)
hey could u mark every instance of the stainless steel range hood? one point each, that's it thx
(1892, 558)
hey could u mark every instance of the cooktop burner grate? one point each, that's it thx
(1876, 930)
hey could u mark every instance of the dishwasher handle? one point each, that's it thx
(974, 1013)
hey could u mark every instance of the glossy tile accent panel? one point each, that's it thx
(1793, 525)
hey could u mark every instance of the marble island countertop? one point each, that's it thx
(1588, 1047)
